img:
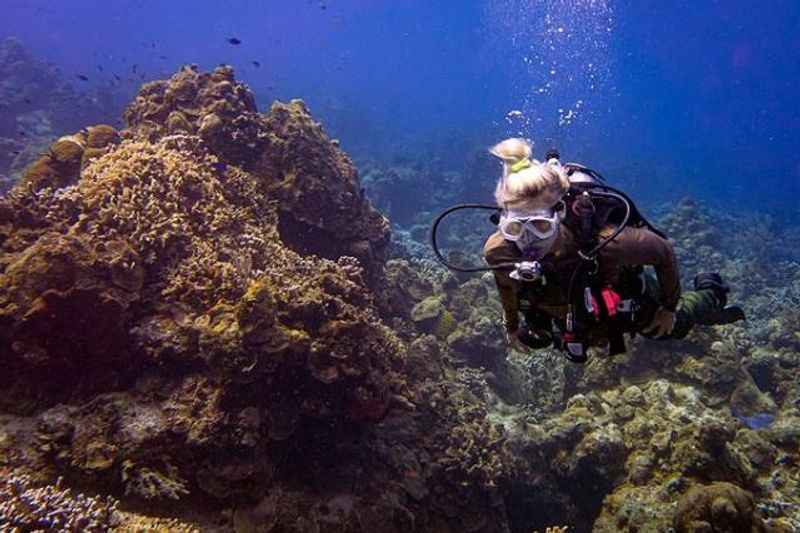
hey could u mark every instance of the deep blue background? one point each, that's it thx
(695, 96)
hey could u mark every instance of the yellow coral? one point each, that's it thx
(445, 325)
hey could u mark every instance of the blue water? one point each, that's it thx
(663, 97)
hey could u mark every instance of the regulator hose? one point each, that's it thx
(438, 253)
(608, 194)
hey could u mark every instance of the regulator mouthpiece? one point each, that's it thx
(527, 271)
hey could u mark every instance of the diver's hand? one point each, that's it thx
(512, 337)
(662, 324)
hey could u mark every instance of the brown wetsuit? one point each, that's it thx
(632, 247)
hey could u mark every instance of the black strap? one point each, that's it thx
(616, 337)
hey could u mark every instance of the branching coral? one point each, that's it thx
(150, 484)
(26, 507)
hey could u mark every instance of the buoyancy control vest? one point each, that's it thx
(591, 206)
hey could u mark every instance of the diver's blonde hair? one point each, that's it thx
(527, 183)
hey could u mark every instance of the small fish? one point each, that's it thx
(757, 421)
(82, 77)
(116, 77)
(28, 101)
(23, 134)
(219, 167)
(100, 68)
(234, 41)
(256, 64)
(162, 57)
(133, 68)
(16, 152)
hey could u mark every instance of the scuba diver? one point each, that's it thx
(569, 255)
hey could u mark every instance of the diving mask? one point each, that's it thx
(541, 224)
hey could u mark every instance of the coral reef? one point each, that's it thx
(396, 190)
(198, 318)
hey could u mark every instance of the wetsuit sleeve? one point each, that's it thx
(638, 246)
(495, 251)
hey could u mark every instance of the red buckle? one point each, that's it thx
(611, 299)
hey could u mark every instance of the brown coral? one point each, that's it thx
(302, 162)
(64, 308)
(717, 507)
(149, 211)
(213, 105)
(322, 209)
(123, 257)
(58, 167)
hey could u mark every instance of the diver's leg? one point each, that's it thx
(537, 330)
(705, 305)
(692, 306)
(722, 313)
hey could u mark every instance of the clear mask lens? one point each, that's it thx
(543, 226)
(514, 228)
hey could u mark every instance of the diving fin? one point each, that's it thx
(726, 315)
